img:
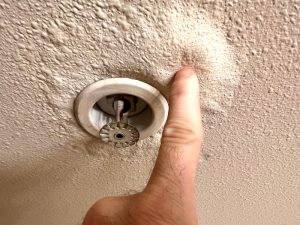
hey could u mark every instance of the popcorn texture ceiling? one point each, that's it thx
(51, 171)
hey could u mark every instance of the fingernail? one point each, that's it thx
(184, 73)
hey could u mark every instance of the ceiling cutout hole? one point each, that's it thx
(145, 107)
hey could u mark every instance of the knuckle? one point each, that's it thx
(181, 132)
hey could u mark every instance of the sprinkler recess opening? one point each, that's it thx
(139, 113)
(145, 107)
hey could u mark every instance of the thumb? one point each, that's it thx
(184, 120)
(182, 135)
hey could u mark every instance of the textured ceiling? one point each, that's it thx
(51, 171)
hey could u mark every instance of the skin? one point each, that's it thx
(169, 197)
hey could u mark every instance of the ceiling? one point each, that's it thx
(51, 171)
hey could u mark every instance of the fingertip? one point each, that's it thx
(185, 83)
(184, 73)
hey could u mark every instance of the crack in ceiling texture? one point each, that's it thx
(51, 171)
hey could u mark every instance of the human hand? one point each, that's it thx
(169, 197)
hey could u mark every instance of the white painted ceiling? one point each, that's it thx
(51, 171)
